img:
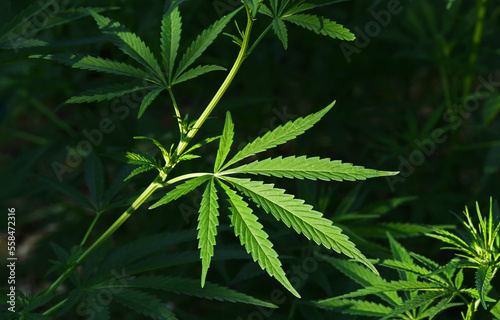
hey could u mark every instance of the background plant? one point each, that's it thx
(394, 101)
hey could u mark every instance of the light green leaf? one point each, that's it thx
(128, 42)
(207, 227)
(143, 303)
(279, 135)
(148, 99)
(294, 213)
(191, 287)
(96, 64)
(164, 152)
(139, 158)
(321, 25)
(225, 142)
(310, 168)
(181, 190)
(107, 92)
(255, 239)
(279, 28)
(139, 170)
(202, 42)
(196, 72)
(171, 27)
(201, 143)
(484, 274)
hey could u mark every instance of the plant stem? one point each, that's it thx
(218, 95)
(184, 177)
(140, 200)
(176, 108)
(476, 40)
(98, 215)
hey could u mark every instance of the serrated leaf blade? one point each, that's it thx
(255, 239)
(300, 216)
(181, 190)
(202, 42)
(321, 25)
(207, 227)
(279, 135)
(310, 168)
(225, 142)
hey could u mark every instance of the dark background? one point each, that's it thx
(392, 96)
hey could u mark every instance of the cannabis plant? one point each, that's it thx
(154, 74)
(425, 288)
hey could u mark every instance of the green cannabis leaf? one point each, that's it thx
(284, 207)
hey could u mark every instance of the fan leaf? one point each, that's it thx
(255, 239)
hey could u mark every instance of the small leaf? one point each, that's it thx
(148, 99)
(164, 152)
(196, 72)
(171, 27)
(279, 135)
(484, 274)
(249, 231)
(181, 190)
(139, 170)
(225, 142)
(207, 227)
(321, 26)
(280, 31)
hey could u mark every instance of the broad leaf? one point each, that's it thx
(279, 135)
(207, 227)
(249, 231)
(181, 190)
(310, 168)
(301, 217)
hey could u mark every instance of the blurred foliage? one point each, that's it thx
(409, 98)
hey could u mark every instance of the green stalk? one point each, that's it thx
(158, 182)
(476, 40)
(218, 95)
(176, 108)
(137, 203)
